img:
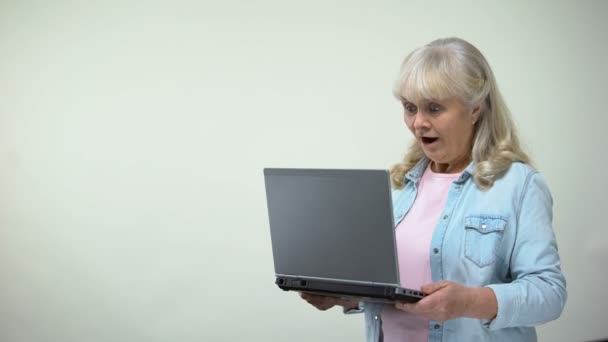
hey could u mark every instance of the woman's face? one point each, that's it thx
(444, 129)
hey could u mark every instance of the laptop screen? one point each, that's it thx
(333, 224)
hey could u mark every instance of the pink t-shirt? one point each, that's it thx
(413, 235)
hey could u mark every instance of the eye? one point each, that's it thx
(434, 108)
(410, 108)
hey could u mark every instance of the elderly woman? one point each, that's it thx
(473, 218)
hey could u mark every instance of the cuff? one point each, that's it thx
(508, 307)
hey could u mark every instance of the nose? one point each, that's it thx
(420, 122)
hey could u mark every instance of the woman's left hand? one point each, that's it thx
(445, 300)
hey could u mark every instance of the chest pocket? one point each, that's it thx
(482, 238)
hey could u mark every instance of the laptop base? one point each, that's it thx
(363, 292)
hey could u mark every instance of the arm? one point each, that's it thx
(449, 300)
(537, 293)
(483, 305)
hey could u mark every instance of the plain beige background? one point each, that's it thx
(133, 137)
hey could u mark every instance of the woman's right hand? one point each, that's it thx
(327, 302)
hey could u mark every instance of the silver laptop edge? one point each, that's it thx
(340, 281)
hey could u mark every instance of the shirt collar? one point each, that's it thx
(417, 171)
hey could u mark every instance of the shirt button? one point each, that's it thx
(376, 317)
(445, 217)
(436, 250)
(437, 326)
(483, 226)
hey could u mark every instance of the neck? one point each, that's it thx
(455, 167)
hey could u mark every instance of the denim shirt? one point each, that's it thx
(501, 238)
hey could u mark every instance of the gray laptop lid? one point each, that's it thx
(332, 224)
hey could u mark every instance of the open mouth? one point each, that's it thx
(428, 140)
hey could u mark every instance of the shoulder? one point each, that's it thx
(519, 170)
(522, 180)
(518, 175)
(511, 184)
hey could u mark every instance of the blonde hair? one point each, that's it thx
(453, 67)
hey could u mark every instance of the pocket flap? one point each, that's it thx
(485, 224)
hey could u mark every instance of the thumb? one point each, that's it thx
(434, 287)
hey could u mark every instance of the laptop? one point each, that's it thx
(332, 233)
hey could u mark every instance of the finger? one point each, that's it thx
(310, 296)
(409, 307)
(434, 287)
(324, 304)
(329, 302)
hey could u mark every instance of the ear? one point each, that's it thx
(475, 113)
